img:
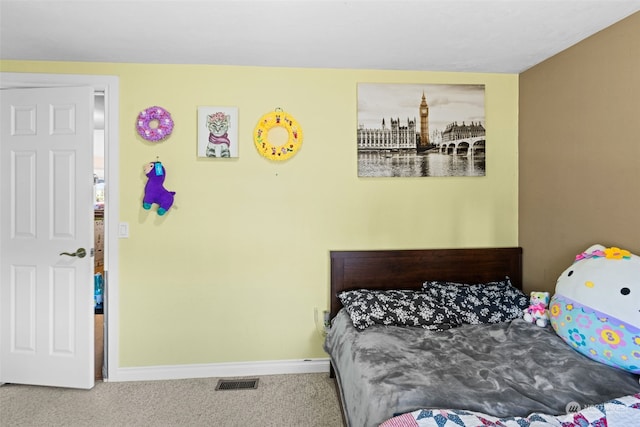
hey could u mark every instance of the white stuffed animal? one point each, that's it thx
(537, 311)
(596, 307)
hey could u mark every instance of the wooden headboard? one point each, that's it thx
(408, 269)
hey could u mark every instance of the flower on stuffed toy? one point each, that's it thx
(586, 255)
(617, 253)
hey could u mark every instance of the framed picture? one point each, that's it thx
(420, 130)
(218, 132)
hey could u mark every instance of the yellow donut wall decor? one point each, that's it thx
(275, 151)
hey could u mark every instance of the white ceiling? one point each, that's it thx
(496, 36)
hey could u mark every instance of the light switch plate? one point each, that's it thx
(123, 230)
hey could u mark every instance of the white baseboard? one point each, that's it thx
(239, 369)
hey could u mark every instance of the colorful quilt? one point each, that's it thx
(621, 412)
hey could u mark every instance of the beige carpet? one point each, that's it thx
(306, 400)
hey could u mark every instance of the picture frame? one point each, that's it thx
(217, 132)
(421, 130)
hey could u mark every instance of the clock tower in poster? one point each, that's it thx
(424, 124)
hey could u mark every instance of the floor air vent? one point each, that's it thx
(243, 384)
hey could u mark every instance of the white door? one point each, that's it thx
(46, 188)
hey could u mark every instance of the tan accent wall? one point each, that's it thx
(579, 152)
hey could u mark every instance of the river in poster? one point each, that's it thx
(406, 164)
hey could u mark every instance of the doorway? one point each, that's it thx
(98, 234)
(108, 88)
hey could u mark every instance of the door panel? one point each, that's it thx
(23, 294)
(46, 177)
(23, 198)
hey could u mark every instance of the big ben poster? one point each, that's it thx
(421, 130)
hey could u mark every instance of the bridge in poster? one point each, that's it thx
(464, 147)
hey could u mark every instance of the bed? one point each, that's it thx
(499, 366)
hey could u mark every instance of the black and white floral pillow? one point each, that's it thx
(492, 302)
(397, 308)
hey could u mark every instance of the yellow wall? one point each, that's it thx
(234, 270)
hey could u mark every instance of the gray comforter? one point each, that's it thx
(503, 369)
